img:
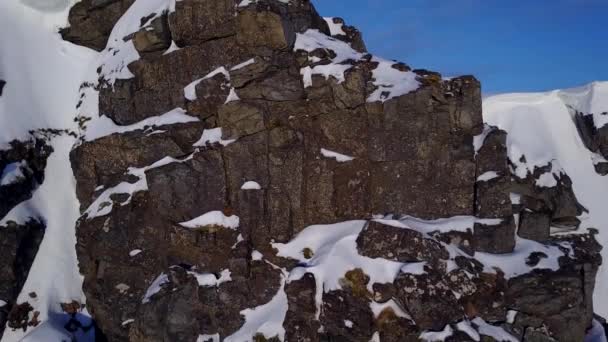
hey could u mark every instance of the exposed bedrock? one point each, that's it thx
(199, 229)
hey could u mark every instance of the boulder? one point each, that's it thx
(534, 226)
(92, 21)
(399, 244)
(495, 238)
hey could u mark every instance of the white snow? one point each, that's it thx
(12, 173)
(378, 308)
(104, 126)
(498, 333)
(246, 3)
(514, 264)
(434, 336)
(251, 185)
(546, 180)
(256, 256)
(314, 39)
(456, 223)
(415, 268)
(210, 280)
(511, 314)
(486, 176)
(465, 326)
(232, 96)
(103, 204)
(208, 338)
(541, 127)
(54, 275)
(127, 322)
(340, 158)
(40, 92)
(391, 82)
(334, 250)
(43, 75)
(212, 136)
(348, 323)
(155, 287)
(478, 140)
(135, 252)
(213, 218)
(244, 64)
(190, 89)
(591, 99)
(265, 319)
(334, 28)
(172, 47)
(596, 333)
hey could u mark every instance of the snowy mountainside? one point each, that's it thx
(247, 171)
(42, 75)
(543, 128)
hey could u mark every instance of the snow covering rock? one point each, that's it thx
(545, 138)
(206, 133)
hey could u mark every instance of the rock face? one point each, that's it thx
(296, 125)
(22, 166)
(22, 171)
(18, 247)
(595, 138)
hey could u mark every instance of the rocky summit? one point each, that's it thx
(247, 171)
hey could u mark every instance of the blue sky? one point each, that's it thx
(510, 45)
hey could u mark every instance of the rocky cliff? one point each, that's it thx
(246, 170)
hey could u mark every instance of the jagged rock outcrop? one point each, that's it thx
(595, 138)
(92, 21)
(21, 170)
(18, 247)
(202, 229)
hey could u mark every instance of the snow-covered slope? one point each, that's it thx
(43, 74)
(541, 127)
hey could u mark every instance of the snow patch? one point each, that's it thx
(210, 280)
(190, 89)
(208, 338)
(104, 126)
(103, 205)
(251, 185)
(334, 250)
(434, 336)
(487, 176)
(265, 319)
(541, 127)
(212, 218)
(391, 82)
(498, 333)
(378, 308)
(212, 136)
(314, 39)
(155, 287)
(244, 64)
(135, 252)
(13, 173)
(340, 158)
(335, 29)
